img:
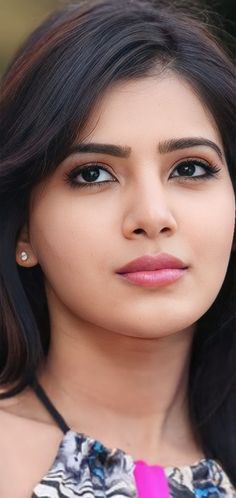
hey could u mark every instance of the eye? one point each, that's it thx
(87, 176)
(191, 169)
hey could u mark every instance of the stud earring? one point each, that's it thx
(24, 256)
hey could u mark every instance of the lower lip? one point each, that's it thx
(157, 278)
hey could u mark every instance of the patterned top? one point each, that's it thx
(85, 468)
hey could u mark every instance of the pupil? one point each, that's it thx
(91, 174)
(187, 169)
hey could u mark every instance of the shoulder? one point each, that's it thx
(10, 416)
(24, 405)
(28, 444)
(24, 413)
(22, 418)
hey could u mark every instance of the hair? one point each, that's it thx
(47, 95)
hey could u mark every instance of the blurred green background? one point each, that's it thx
(20, 17)
(17, 19)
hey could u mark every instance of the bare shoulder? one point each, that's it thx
(29, 442)
(22, 404)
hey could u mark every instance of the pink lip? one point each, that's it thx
(152, 263)
(149, 271)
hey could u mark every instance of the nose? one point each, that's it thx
(147, 211)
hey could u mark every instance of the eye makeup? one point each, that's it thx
(95, 174)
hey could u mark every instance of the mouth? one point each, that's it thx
(155, 278)
(153, 271)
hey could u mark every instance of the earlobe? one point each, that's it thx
(24, 252)
(25, 256)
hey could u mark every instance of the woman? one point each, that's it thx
(117, 257)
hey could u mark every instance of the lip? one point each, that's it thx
(149, 263)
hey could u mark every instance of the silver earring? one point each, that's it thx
(24, 256)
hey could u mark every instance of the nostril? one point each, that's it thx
(139, 230)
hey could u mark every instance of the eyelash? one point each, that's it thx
(211, 171)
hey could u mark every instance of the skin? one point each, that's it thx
(120, 350)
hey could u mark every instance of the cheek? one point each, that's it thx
(212, 238)
(69, 237)
(74, 248)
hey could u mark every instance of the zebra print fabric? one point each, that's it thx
(85, 468)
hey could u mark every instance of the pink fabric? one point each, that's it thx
(150, 480)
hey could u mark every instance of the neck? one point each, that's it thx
(137, 387)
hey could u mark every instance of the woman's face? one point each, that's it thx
(137, 199)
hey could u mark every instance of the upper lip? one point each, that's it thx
(152, 263)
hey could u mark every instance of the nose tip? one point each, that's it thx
(148, 205)
(141, 230)
(149, 231)
(143, 221)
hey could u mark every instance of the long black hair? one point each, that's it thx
(46, 97)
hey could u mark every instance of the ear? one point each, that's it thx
(23, 245)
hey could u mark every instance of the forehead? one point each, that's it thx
(149, 107)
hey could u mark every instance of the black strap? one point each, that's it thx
(41, 394)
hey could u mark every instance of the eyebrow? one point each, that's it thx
(109, 149)
(164, 147)
(187, 142)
